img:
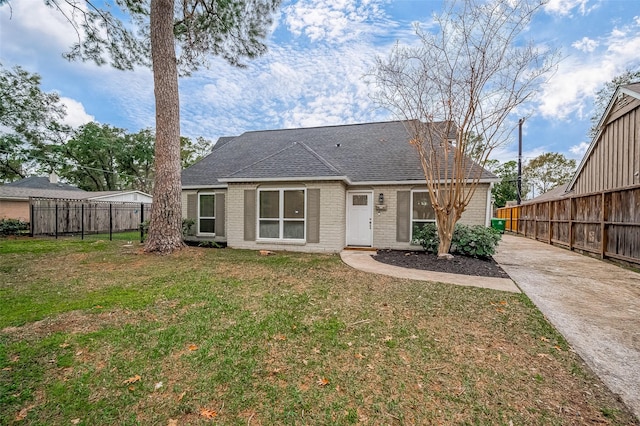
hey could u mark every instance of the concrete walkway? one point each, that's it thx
(594, 304)
(363, 261)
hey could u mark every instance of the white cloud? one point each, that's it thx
(585, 44)
(287, 88)
(40, 27)
(572, 89)
(579, 150)
(76, 115)
(565, 7)
(332, 20)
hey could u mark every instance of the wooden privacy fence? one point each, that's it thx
(605, 223)
(81, 217)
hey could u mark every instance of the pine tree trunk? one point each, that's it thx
(165, 227)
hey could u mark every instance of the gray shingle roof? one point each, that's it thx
(372, 152)
(12, 192)
(40, 182)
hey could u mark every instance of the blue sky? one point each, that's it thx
(319, 52)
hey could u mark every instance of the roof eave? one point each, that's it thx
(413, 182)
(204, 187)
(286, 179)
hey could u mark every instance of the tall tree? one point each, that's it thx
(507, 188)
(193, 151)
(29, 120)
(135, 162)
(603, 96)
(468, 74)
(547, 171)
(88, 158)
(232, 29)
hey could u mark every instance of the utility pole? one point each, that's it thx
(519, 194)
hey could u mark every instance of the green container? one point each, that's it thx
(498, 224)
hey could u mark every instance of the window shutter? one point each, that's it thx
(220, 223)
(192, 211)
(403, 225)
(313, 215)
(250, 215)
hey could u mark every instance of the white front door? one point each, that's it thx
(359, 218)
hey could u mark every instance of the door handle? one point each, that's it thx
(369, 223)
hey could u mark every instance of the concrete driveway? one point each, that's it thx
(594, 304)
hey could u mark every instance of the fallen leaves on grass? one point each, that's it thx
(280, 337)
(193, 347)
(181, 396)
(132, 380)
(208, 414)
(359, 356)
(323, 381)
(22, 414)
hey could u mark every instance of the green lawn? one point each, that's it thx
(95, 332)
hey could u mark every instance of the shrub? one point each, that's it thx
(427, 237)
(187, 224)
(13, 227)
(474, 241)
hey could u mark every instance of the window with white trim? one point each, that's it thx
(206, 214)
(421, 210)
(281, 214)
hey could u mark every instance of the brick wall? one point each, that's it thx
(333, 216)
(384, 221)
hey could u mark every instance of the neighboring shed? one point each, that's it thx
(15, 196)
(613, 158)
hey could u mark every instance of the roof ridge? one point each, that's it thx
(319, 157)
(329, 126)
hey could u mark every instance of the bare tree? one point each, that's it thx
(171, 36)
(456, 90)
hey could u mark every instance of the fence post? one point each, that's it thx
(56, 226)
(511, 219)
(141, 223)
(32, 216)
(603, 227)
(549, 215)
(110, 223)
(82, 221)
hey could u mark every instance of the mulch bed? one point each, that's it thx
(429, 262)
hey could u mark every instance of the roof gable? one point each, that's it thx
(630, 90)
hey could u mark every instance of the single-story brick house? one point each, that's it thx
(316, 189)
